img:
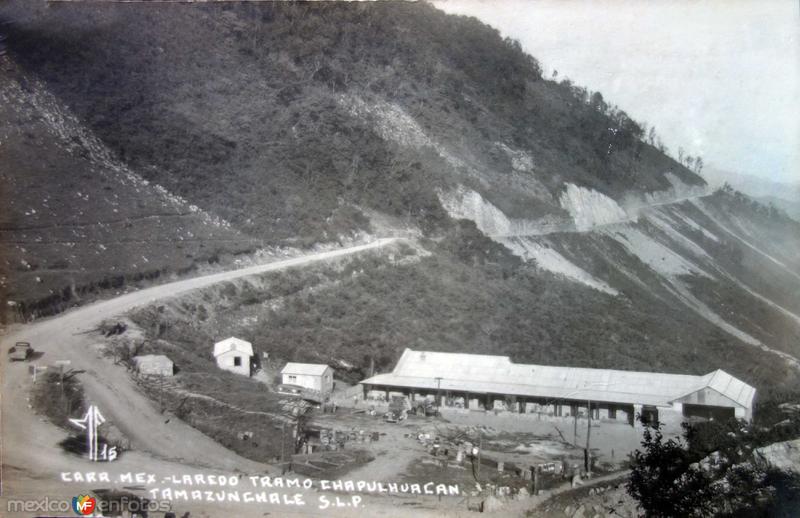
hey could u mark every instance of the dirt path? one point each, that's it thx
(68, 337)
(32, 462)
(632, 216)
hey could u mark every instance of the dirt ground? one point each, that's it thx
(399, 455)
(610, 441)
(162, 446)
(32, 461)
(522, 441)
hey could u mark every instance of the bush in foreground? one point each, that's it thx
(712, 471)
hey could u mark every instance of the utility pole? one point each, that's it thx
(575, 426)
(283, 442)
(283, 448)
(588, 435)
(438, 393)
(62, 390)
(161, 392)
(480, 450)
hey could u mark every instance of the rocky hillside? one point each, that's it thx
(291, 120)
(76, 219)
(554, 231)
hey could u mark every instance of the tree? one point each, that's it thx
(712, 471)
(698, 165)
(662, 482)
(651, 136)
(598, 103)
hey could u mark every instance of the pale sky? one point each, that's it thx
(719, 78)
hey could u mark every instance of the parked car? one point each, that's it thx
(21, 351)
(426, 408)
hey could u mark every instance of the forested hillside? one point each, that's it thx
(288, 120)
(555, 229)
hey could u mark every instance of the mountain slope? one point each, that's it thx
(75, 218)
(287, 119)
(555, 233)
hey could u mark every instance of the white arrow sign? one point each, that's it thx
(90, 421)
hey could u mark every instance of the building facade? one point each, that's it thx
(312, 376)
(234, 355)
(154, 365)
(474, 381)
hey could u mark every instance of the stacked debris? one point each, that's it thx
(295, 407)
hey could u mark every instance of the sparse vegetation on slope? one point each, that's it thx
(365, 312)
(253, 106)
(76, 221)
(294, 122)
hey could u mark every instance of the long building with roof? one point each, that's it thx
(481, 381)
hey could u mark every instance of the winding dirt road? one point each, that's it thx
(31, 458)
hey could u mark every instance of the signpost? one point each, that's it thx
(90, 422)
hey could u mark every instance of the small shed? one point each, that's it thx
(154, 364)
(234, 354)
(314, 376)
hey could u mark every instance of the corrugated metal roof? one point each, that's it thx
(730, 387)
(233, 344)
(310, 369)
(499, 375)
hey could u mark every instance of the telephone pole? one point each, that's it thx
(480, 450)
(161, 392)
(575, 426)
(588, 435)
(283, 448)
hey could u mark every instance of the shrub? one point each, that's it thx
(59, 397)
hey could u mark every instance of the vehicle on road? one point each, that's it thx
(21, 351)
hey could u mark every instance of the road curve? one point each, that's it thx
(30, 441)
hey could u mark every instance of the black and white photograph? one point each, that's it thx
(434, 258)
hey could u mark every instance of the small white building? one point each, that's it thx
(314, 376)
(154, 364)
(233, 354)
